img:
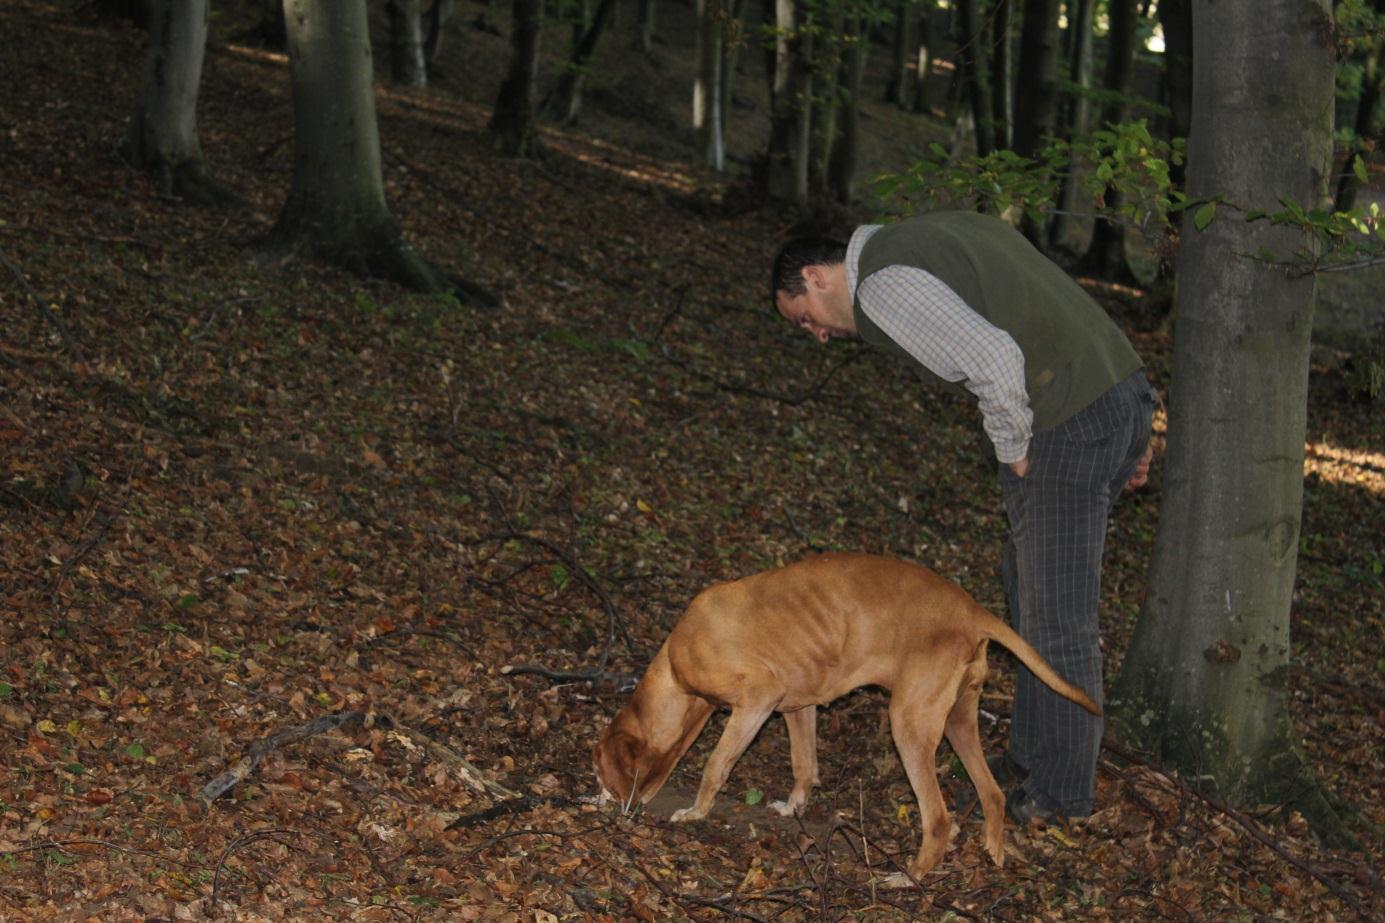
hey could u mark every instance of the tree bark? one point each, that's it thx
(647, 15)
(925, 57)
(1036, 92)
(1368, 128)
(512, 122)
(1176, 20)
(976, 73)
(162, 139)
(336, 204)
(1002, 71)
(439, 17)
(786, 174)
(708, 84)
(1105, 257)
(896, 90)
(1073, 114)
(407, 65)
(564, 102)
(841, 171)
(1204, 683)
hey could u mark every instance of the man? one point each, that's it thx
(969, 303)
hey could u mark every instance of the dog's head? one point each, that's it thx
(617, 758)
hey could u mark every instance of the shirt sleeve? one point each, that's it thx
(933, 324)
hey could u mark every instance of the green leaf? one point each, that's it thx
(1204, 215)
(754, 796)
(6, 690)
(187, 600)
(135, 751)
(1358, 167)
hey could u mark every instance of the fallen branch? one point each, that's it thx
(622, 681)
(261, 748)
(612, 619)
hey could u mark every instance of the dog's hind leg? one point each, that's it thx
(918, 711)
(803, 753)
(740, 730)
(962, 733)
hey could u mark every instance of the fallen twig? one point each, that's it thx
(261, 748)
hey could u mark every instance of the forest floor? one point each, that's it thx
(239, 498)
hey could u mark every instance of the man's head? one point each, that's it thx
(809, 287)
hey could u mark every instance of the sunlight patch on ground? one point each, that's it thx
(258, 54)
(621, 161)
(1353, 467)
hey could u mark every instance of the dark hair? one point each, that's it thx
(798, 254)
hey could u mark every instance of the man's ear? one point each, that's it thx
(812, 277)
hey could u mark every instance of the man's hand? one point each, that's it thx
(1021, 467)
(1141, 475)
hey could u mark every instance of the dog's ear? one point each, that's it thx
(616, 755)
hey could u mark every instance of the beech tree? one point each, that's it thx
(564, 101)
(513, 119)
(976, 74)
(162, 139)
(1203, 684)
(1105, 256)
(336, 205)
(1072, 118)
(1368, 126)
(709, 84)
(1036, 90)
(786, 167)
(407, 64)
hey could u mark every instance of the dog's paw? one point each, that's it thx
(686, 814)
(783, 808)
(896, 880)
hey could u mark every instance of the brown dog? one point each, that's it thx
(791, 639)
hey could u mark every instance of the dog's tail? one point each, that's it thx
(996, 630)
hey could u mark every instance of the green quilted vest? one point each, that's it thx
(1073, 352)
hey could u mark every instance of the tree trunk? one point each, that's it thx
(976, 72)
(1105, 257)
(564, 102)
(648, 9)
(707, 84)
(1036, 92)
(512, 122)
(732, 41)
(896, 90)
(439, 17)
(1368, 127)
(336, 205)
(1073, 114)
(1204, 683)
(1002, 83)
(407, 65)
(841, 172)
(826, 63)
(1176, 20)
(162, 139)
(786, 175)
(925, 57)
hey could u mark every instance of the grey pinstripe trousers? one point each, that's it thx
(1058, 514)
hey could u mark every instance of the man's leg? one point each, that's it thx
(1058, 516)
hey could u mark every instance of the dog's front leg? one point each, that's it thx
(740, 731)
(803, 753)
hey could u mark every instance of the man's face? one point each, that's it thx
(824, 308)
